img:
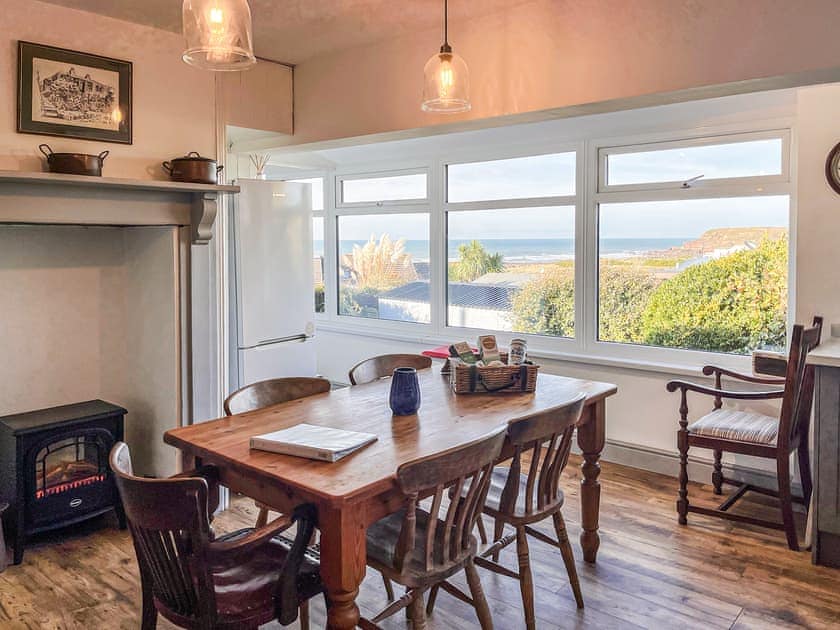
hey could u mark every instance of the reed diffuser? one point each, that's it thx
(260, 162)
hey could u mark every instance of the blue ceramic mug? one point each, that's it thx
(405, 392)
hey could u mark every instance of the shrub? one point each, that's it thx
(474, 261)
(546, 305)
(624, 293)
(379, 266)
(732, 304)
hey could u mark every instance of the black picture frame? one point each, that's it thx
(84, 96)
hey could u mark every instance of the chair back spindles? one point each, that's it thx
(384, 365)
(795, 415)
(548, 438)
(459, 472)
(168, 522)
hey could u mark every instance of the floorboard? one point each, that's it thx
(651, 572)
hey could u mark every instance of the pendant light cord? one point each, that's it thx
(446, 48)
(446, 22)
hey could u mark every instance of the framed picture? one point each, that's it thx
(73, 94)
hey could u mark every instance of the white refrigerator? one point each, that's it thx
(272, 299)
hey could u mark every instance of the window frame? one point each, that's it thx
(774, 185)
(605, 151)
(379, 174)
(585, 346)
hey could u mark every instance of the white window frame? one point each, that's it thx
(558, 344)
(702, 184)
(774, 185)
(380, 203)
(584, 347)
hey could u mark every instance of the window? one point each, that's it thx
(607, 250)
(510, 252)
(380, 190)
(516, 178)
(664, 165)
(693, 269)
(383, 262)
(318, 261)
(512, 270)
(317, 184)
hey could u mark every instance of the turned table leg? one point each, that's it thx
(343, 559)
(590, 437)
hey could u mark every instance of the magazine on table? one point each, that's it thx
(313, 442)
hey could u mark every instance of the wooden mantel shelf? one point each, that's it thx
(52, 198)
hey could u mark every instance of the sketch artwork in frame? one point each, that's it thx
(73, 94)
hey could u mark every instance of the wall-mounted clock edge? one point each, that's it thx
(832, 168)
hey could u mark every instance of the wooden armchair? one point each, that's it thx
(273, 392)
(421, 549)
(237, 581)
(755, 434)
(384, 365)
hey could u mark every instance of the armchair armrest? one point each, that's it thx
(686, 386)
(210, 474)
(708, 370)
(231, 552)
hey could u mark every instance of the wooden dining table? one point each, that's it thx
(358, 490)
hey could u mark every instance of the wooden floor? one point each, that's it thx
(651, 573)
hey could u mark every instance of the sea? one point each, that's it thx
(531, 250)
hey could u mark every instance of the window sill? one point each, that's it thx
(692, 369)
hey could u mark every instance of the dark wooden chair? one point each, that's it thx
(241, 580)
(273, 392)
(384, 365)
(520, 500)
(421, 548)
(755, 434)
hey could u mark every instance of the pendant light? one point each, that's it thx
(446, 84)
(218, 34)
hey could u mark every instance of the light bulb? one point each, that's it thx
(445, 79)
(217, 16)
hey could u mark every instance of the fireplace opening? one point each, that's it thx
(70, 463)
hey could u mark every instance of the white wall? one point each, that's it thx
(174, 104)
(818, 206)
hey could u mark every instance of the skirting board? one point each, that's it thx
(699, 469)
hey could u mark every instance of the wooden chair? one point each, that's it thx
(273, 392)
(420, 549)
(520, 500)
(755, 434)
(382, 366)
(240, 580)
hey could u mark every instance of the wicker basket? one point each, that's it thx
(506, 379)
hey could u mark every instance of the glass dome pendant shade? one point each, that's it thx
(446, 84)
(218, 34)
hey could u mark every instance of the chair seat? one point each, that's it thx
(520, 513)
(739, 426)
(245, 592)
(382, 538)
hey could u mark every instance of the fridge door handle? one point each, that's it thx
(268, 342)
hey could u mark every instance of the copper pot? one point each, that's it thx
(193, 168)
(73, 163)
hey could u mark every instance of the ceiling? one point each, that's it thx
(292, 31)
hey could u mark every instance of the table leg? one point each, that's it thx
(343, 559)
(590, 437)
